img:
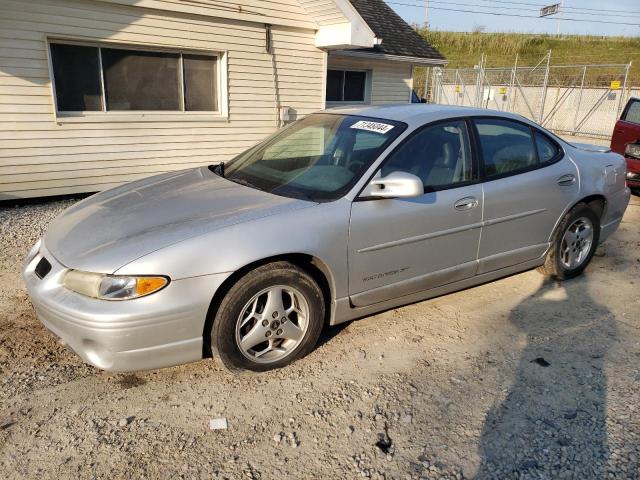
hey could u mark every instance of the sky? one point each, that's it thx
(620, 11)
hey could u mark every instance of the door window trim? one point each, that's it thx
(626, 111)
(533, 129)
(475, 165)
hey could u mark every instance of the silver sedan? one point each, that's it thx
(343, 214)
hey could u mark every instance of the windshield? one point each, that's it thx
(318, 158)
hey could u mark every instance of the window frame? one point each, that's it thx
(473, 145)
(625, 112)
(222, 100)
(367, 86)
(532, 130)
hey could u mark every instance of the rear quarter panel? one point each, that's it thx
(603, 174)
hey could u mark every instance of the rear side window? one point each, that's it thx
(548, 151)
(633, 112)
(507, 147)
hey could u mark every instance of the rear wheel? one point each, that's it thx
(636, 191)
(270, 317)
(574, 243)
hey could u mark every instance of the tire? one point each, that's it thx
(558, 262)
(250, 313)
(636, 192)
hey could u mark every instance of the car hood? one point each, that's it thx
(113, 228)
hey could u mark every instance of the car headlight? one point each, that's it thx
(633, 150)
(113, 287)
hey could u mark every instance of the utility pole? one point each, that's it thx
(558, 19)
(426, 14)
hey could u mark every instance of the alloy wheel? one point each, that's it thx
(576, 243)
(272, 324)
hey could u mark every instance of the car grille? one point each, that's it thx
(43, 268)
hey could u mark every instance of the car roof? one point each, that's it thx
(418, 113)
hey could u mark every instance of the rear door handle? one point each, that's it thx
(567, 180)
(466, 203)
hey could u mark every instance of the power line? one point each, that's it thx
(528, 9)
(496, 14)
(540, 5)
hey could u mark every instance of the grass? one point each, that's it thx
(464, 49)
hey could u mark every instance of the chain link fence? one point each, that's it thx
(581, 100)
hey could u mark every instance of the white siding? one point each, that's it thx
(276, 12)
(324, 12)
(44, 155)
(390, 81)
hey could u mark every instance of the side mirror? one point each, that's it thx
(395, 185)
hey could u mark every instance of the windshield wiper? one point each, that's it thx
(244, 182)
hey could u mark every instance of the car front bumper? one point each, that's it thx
(160, 330)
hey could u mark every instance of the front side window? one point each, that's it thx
(318, 158)
(439, 155)
(632, 114)
(346, 86)
(507, 147)
(91, 78)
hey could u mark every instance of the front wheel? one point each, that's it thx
(574, 243)
(270, 317)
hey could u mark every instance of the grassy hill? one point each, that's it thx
(464, 49)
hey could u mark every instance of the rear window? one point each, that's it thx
(548, 151)
(632, 113)
(507, 147)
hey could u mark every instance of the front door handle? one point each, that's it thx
(466, 203)
(567, 180)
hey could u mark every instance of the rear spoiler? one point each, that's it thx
(587, 147)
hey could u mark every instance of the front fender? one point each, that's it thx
(321, 231)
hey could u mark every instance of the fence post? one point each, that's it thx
(475, 100)
(575, 119)
(512, 85)
(435, 93)
(624, 88)
(544, 88)
(426, 83)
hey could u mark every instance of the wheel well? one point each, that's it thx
(597, 203)
(308, 263)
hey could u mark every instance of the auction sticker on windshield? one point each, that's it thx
(372, 126)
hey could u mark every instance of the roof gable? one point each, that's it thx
(396, 36)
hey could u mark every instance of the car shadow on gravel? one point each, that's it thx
(552, 422)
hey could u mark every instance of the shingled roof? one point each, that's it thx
(398, 38)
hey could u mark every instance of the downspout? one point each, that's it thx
(274, 70)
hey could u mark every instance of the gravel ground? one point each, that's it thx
(518, 378)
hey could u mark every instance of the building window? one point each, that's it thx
(89, 79)
(346, 86)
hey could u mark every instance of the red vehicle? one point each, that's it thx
(626, 141)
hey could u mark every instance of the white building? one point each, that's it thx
(94, 93)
